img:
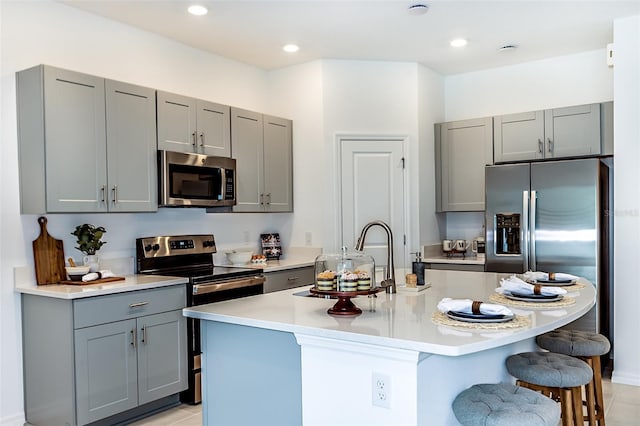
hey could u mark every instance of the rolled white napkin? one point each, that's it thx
(464, 305)
(515, 284)
(92, 276)
(539, 275)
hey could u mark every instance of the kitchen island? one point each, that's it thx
(281, 359)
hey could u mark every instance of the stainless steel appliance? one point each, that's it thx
(552, 217)
(195, 180)
(191, 256)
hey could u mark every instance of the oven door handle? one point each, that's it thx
(227, 285)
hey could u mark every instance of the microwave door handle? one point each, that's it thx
(223, 182)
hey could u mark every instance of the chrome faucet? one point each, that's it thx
(389, 283)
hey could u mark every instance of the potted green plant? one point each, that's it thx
(89, 242)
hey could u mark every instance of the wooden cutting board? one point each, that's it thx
(48, 256)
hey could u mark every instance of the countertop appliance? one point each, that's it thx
(195, 180)
(553, 217)
(191, 256)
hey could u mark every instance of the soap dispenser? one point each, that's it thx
(417, 267)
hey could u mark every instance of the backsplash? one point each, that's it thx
(464, 225)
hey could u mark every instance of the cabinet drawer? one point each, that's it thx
(290, 278)
(122, 306)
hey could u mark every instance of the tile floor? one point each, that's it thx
(622, 408)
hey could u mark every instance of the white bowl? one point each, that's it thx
(77, 272)
(239, 257)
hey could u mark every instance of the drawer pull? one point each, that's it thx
(137, 305)
(293, 278)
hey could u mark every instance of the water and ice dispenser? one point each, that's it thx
(508, 233)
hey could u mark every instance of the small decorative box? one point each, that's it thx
(271, 247)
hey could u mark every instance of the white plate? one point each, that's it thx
(464, 317)
(532, 298)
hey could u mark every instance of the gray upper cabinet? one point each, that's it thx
(191, 125)
(554, 133)
(463, 148)
(69, 125)
(262, 147)
(131, 148)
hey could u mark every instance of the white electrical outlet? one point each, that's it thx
(308, 238)
(380, 390)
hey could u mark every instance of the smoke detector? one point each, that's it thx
(418, 9)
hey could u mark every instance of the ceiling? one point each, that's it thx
(254, 32)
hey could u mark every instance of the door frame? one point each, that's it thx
(339, 138)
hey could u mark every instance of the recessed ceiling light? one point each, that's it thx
(418, 9)
(458, 42)
(290, 48)
(197, 10)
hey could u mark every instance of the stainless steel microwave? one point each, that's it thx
(195, 180)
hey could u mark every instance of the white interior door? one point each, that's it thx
(372, 188)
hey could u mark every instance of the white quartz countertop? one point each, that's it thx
(130, 283)
(401, 320)
(282, 264)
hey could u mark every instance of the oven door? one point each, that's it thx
(195, 180)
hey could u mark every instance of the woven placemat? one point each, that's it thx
(566, 301)
(518, 321)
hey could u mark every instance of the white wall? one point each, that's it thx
(626, 199)
(562, 81)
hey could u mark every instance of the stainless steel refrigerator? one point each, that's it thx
(553, 217)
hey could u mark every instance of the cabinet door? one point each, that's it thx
(176, 122)
(162, 355)
(290, 278)
(214, 129)
(106, 370)
(572, 131)
(519, 136)
(75, 149)
(465, 149)
(131, 148)
(247, 149)
(278, 165)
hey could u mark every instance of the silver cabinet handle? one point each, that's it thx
(540, 146)
(269, 198)
(261, 199)
(202, 140)
(195, 142)
(293, 278)
(138, 304)
(144, 334)
(550, 145)
(114, 192)
(133, 337)
(102, 191)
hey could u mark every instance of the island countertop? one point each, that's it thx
(401, 320)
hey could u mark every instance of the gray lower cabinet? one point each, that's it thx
(463, 148)
(289, 278)
(262, 147)
(192, 125)
(553, 133)
(453, 267)
(94, 358)
(86, 144)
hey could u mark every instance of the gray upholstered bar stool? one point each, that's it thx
(556, 375)
(588, 347)
(504, 405)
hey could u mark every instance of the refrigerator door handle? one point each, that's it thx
(532, 232)
(524, 238)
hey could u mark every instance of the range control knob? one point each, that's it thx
(147, 247)
(207, 243)
(156, 247)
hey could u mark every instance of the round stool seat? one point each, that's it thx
(574, 343)
(549, 369)
(504, 405)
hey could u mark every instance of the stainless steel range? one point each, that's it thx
(191, 256)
